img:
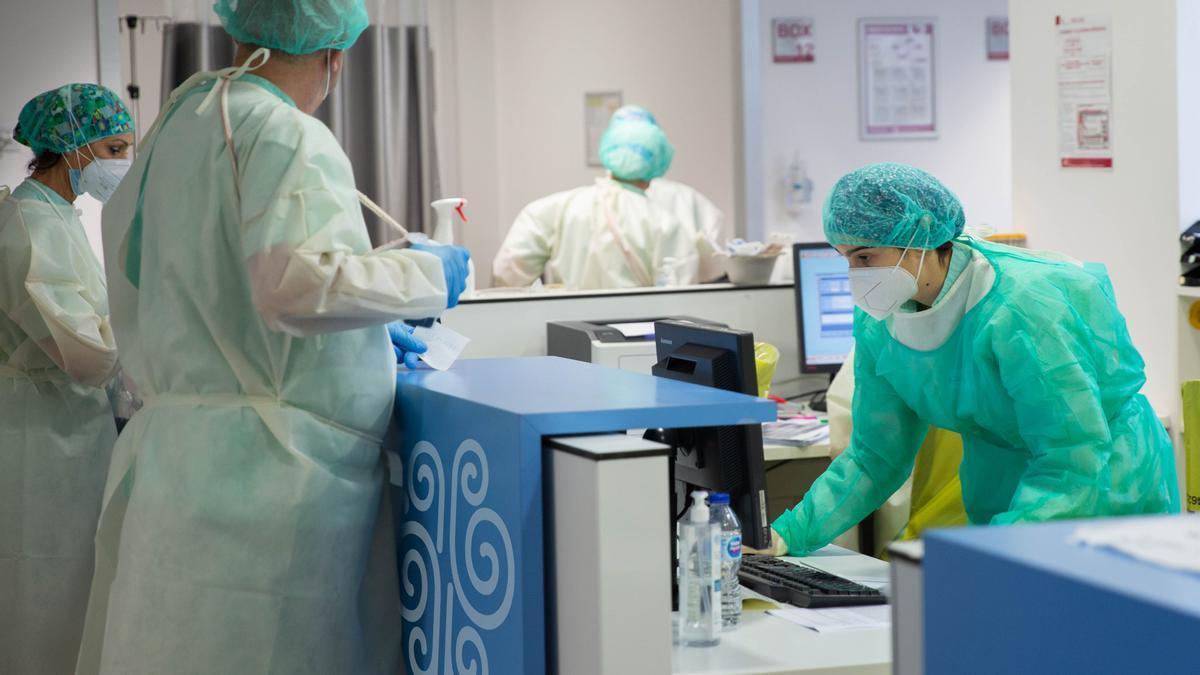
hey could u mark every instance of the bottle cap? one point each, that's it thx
(718, 498)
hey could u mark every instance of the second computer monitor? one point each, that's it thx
(824, 307)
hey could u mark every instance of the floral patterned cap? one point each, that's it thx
(67, 118)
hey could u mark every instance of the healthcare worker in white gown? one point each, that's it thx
(243, 528)
(606, 235)
(693, 209)
(56, 354)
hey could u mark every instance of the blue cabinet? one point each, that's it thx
(467, 494)
(1023, 599)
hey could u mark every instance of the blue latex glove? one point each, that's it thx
(454, 266)
(407, 347)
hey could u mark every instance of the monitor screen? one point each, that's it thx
(824, 306)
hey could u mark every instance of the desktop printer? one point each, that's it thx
(627, 344)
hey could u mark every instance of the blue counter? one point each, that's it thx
(469, 517)
(1022, 599)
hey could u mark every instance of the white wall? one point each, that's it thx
(523, 67)
(813, 108)
(44, 45)
(1128, 217)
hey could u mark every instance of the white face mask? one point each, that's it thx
(101, 178)
(878, 291)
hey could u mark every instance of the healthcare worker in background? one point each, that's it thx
(56, 354)
(605, 235)
(243, 528)
(691, 207)
(1024, 354)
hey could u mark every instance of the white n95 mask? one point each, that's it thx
(100, 178)
(878, 291)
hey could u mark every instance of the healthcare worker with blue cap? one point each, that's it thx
(57, 353)
(244, 529)
(693, 209)
(1024, 354)
(605, 235)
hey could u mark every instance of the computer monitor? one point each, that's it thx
(721, 459)
(824, 307)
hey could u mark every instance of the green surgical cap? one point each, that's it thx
(70, 117)
(294, 26)
(891, 205)
(635, 149)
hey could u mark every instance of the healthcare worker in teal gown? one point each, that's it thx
(244, 528)
(1024, 354)
(57, 353)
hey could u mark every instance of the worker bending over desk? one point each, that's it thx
(1024, 354)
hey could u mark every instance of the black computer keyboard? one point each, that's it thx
(803, 586)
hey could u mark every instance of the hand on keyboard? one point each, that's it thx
(778, 546)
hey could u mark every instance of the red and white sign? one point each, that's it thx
(1084, 69)
(792, 40)
(997, 38)
(896, 78)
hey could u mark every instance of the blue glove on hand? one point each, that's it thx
(407, 347)
(454, 266)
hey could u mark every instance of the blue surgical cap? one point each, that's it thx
(294, 26)
(635, 149)
(891, 205)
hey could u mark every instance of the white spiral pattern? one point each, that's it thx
(487, 566)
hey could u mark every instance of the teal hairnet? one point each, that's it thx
(70, 117)
(627, 113)
(635, 150)
(294, 26)
(891, 205)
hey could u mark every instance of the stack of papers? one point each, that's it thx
(837, 619)
(798, 431)
(1173, 543)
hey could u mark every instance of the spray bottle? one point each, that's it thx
(443, 231)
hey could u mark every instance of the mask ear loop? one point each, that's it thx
(78, 128)
(328, 73)
(924, 222)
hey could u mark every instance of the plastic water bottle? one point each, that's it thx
(731, 559)
(699, 576)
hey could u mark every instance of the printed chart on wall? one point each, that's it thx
(896, 78)
(1084, 53)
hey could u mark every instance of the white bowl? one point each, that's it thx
(744, 270)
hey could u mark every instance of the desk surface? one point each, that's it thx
(562, 396)
(782, 453)
(1045, 547)
(768, 644)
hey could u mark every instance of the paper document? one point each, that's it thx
(444, 345)
(632, 330)
(1173, 543)
(798, 431)
(837, 619)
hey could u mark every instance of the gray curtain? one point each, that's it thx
(190, 47)
(381, 112)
